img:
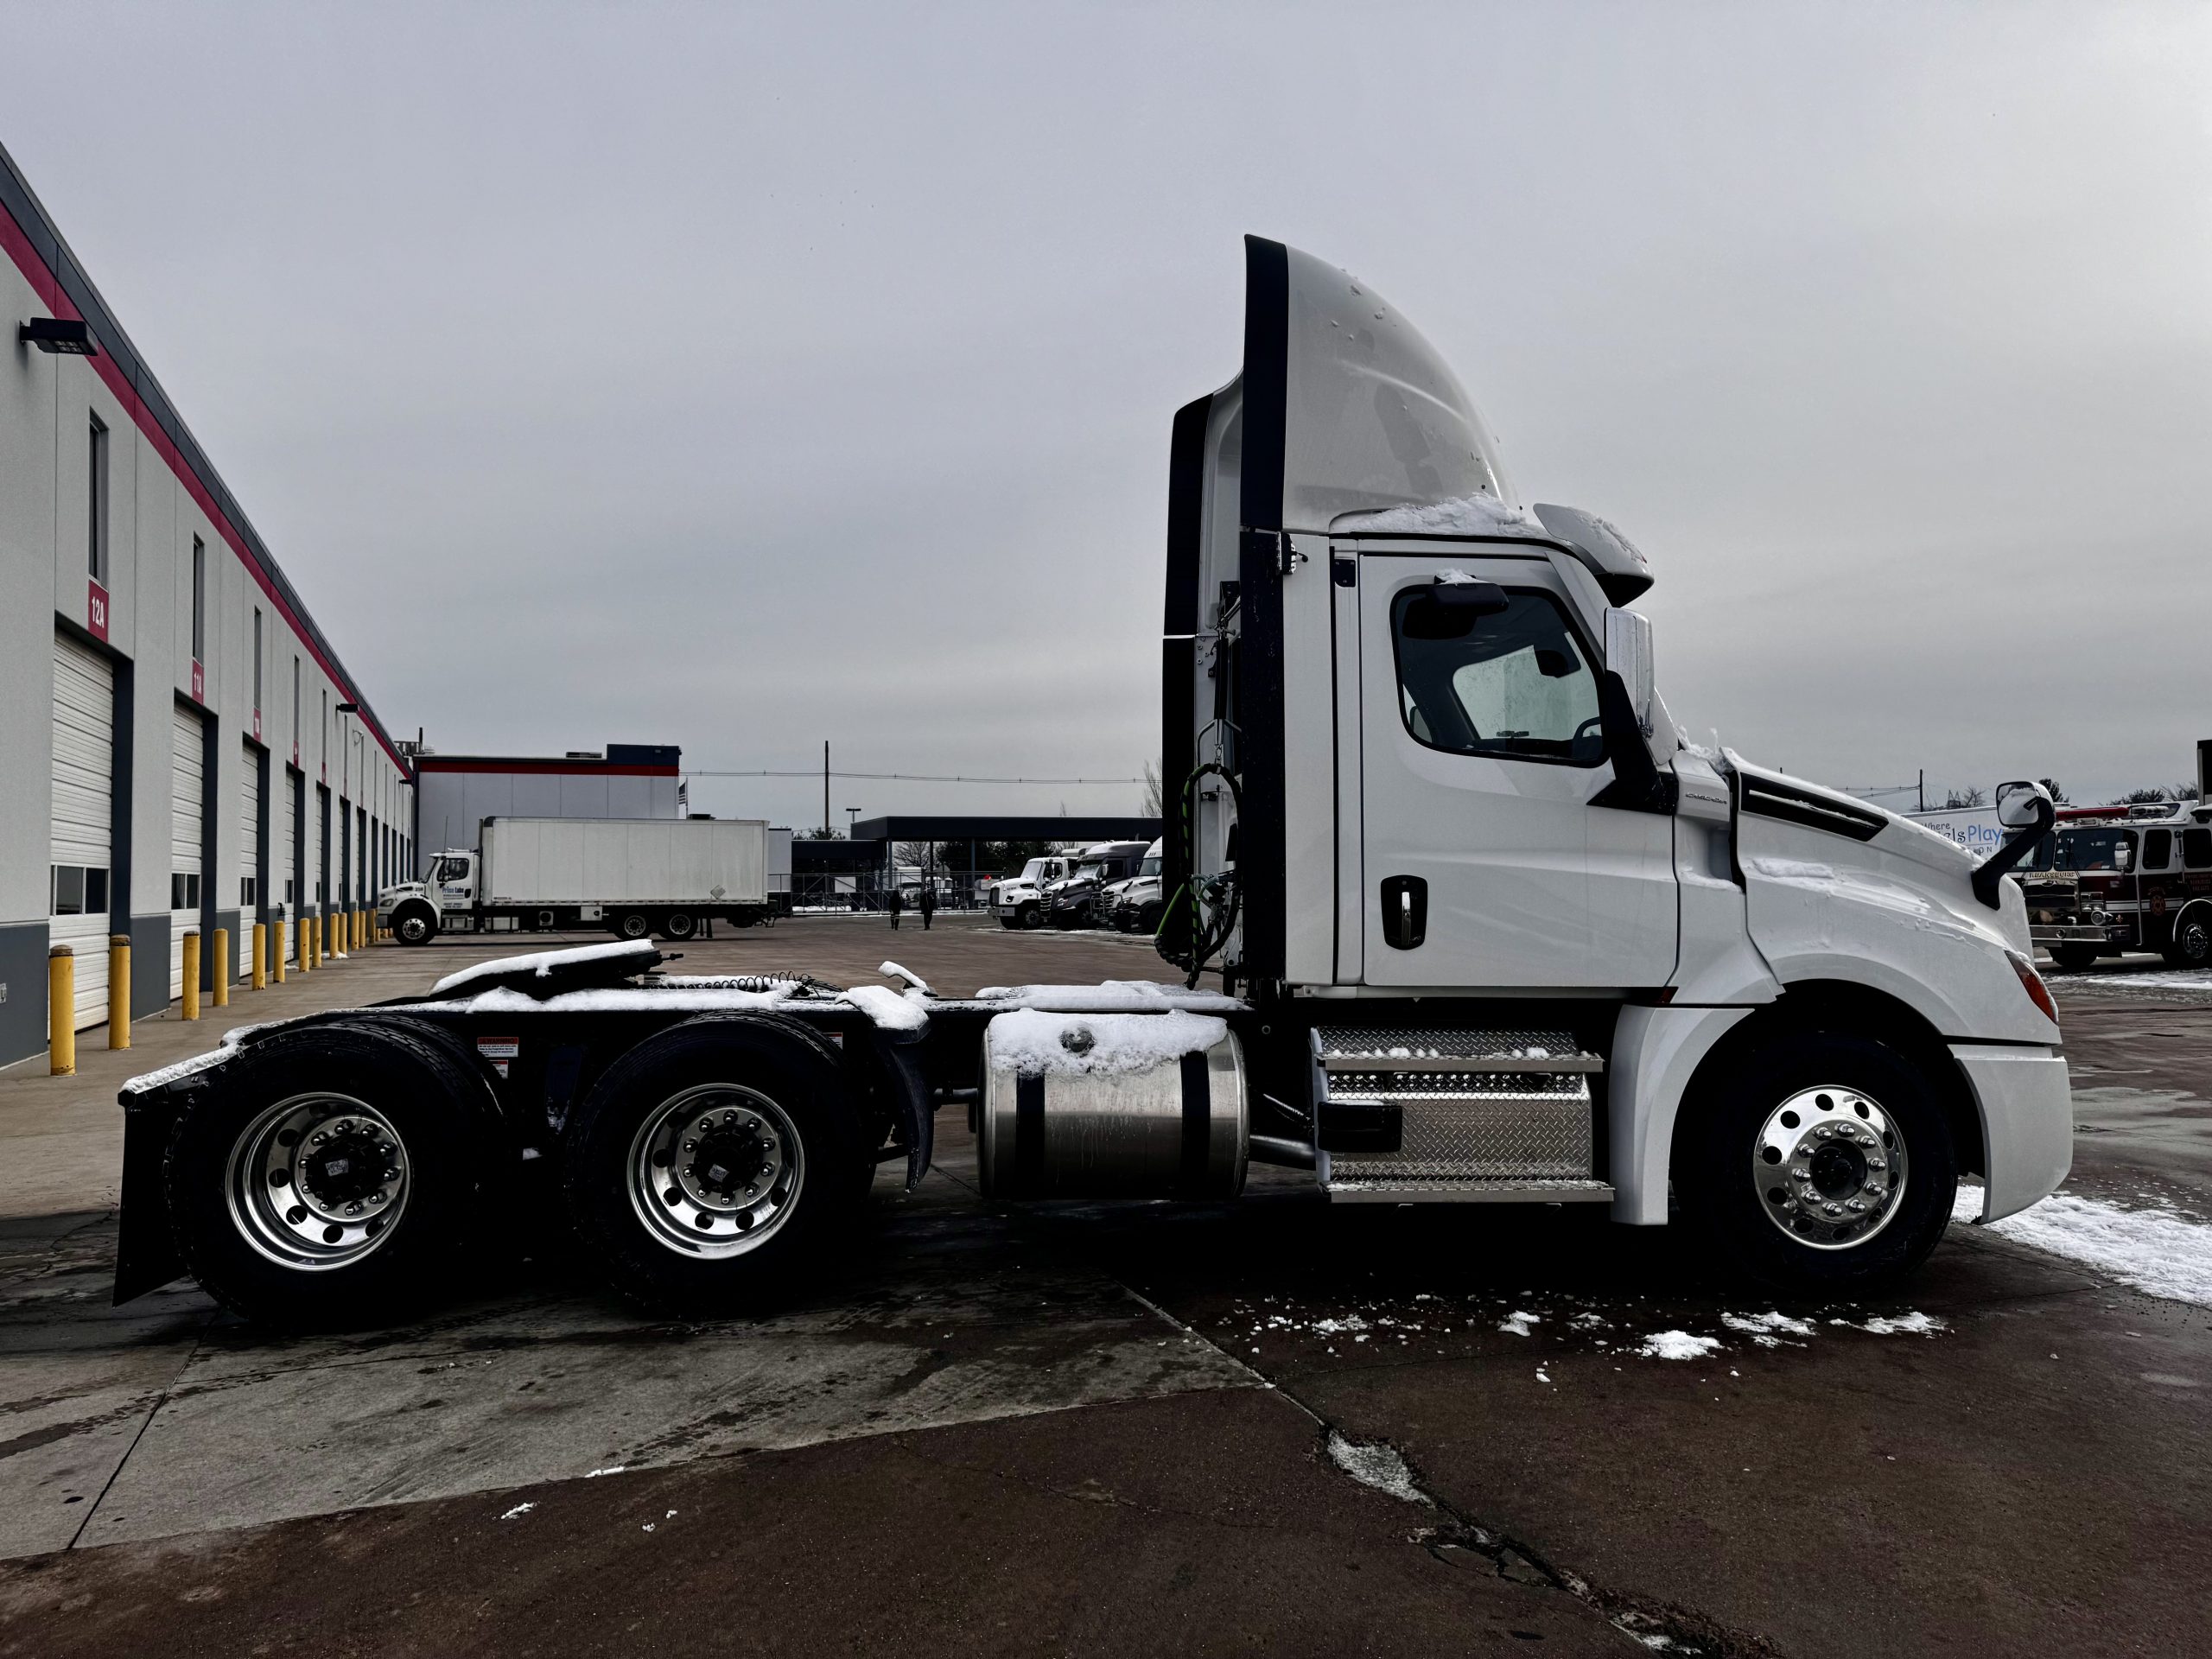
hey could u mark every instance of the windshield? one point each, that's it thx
(1032, 870)
(2095, 849)
(1094, 871)
(1150, 867)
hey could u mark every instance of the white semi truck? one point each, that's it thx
(635, 877)
(1488, 931)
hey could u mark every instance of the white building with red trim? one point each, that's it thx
(180, 745)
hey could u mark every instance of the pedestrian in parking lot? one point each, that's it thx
(929, 904)
(894, 904)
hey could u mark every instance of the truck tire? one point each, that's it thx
(2192, 940)
(633, 924)
(415, 924)
(716, 1168)
(678, 924)
(1777, 1149)
(327, 1180)
(2073, 958)
(1029, 914)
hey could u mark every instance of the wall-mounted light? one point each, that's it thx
(349, 708)
(61, 336)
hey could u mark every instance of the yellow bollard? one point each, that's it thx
(61, 1011)
(307, 944)
(256, 958)
(118, 990)
(222, 968)
(276, 949)
(191, 1009)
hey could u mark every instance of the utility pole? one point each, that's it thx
(825, 789)
(1923, 789)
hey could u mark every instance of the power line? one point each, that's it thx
(904, 776)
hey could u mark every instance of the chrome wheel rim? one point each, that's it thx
(715, 1170)
(318, 1181)
(414, 930)
(1829, 1166)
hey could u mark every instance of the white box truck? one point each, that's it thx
(1489, 930)
(636, 877)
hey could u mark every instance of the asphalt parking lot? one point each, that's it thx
(1263, 1427)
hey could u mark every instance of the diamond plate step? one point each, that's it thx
(1486, 1115)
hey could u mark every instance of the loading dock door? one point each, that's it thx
(290, 854)
(84, 818)
(249, 853)
(187, 788)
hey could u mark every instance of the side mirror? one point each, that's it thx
(2016, 803)
(1628, 653)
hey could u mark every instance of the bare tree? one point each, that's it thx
(1970, 795)
(1155, 794)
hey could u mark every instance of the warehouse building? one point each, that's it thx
(457, 793)
(180, 746)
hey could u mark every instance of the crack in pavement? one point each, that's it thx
(1656, 1624)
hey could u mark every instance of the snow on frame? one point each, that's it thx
(1037, 1043)
(544, 962)
(1113, 996)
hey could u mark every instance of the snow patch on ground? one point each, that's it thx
(1521, 1323)
(1465, 515)
(1378, 1466)
(519, 1509)
(2155, 1251)
(1678, 1345)
(1036, 1044)
(2198, 981)
(1768, 1329)
(1914, 1323)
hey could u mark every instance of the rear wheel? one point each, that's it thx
(679, 924)
(328, 1181)
(633, 924)
(2192, 941)
(717, 1167)
(1820, 1162)
(2073, 958)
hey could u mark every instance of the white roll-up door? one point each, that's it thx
(249, 852)
(84, 818)
(288, 857)
(188, 786)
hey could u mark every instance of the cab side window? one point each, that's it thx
(1518, 685)
(2157, 849)
(2196, 848)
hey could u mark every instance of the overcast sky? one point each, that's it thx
(742, 378)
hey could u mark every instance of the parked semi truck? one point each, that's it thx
(635, 877)
(1487, 930)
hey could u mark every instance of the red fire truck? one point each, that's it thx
(2111, 879)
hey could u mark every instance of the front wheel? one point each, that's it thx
(1029, 916)
(413, 925)
(1820, 1162)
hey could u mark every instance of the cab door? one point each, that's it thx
(1485, 861)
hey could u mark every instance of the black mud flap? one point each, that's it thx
(902, 1062)
(146, 1257)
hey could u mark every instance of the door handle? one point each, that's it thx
(1405, 911)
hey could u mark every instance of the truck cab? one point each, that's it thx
(1018, 901)
(1435, 804)
(416, 912)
